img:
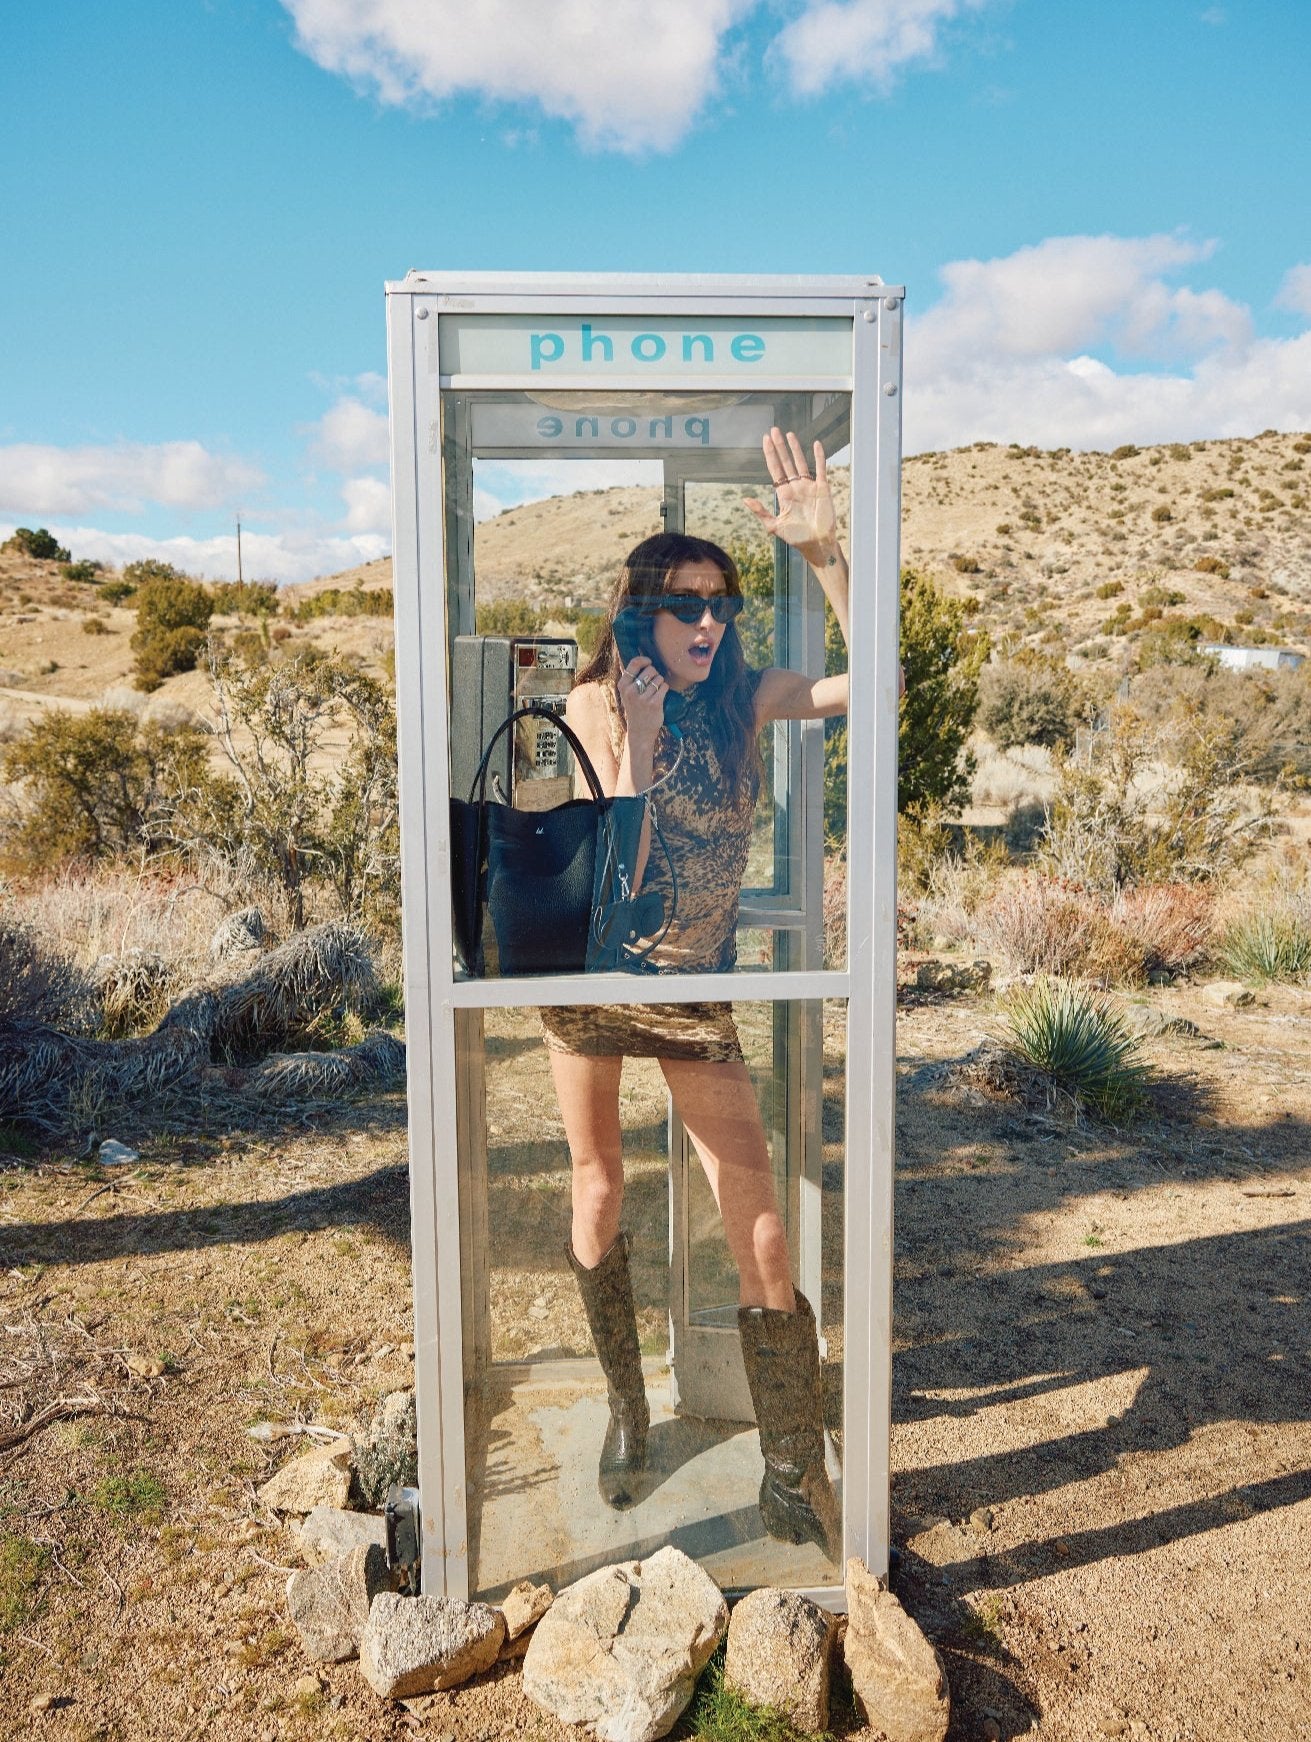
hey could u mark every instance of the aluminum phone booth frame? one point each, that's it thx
(451, 334)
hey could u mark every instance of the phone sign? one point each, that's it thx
(539, 346)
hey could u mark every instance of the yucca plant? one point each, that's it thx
(1078, 1040)
(1267, 946)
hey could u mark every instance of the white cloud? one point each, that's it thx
(862, 41)
(368, 505)
(627, 74)
(1005, 355)
(351, 435)
(1072, 293)
(1295, 290)
(265, 556)
(37, 479)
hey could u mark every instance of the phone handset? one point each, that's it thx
(632, 634)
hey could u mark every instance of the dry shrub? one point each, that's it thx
(133, 991)
(959, 885)
(58, 1082)
(924, 839)
(1171, 924)
(37, 982)
(1041, 925)
(835, 910)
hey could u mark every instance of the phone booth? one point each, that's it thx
(606, 409)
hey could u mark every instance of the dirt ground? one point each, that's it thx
(1102, 1408)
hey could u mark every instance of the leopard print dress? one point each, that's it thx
(707, 827)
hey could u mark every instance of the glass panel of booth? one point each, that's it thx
(722, 1390)
(547, 492)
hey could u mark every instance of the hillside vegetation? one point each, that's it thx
(1102, 557)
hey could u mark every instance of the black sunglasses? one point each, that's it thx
(691, 607)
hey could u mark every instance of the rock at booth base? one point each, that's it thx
(419, 1645)
(621, 1649)
(779, 1651)
(897, 1677)
(330, 1603)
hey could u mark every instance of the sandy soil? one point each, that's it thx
(1102, 1439)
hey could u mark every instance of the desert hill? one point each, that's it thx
(1076, 552)
(1032, 535)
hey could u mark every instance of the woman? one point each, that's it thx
(705, 786)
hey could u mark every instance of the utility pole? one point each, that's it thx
(239, 579)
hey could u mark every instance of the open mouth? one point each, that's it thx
(701, 652)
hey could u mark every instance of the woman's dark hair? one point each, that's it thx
(728, 690)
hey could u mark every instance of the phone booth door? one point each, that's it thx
(541, 429)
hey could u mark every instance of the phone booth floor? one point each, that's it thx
(536, 1483)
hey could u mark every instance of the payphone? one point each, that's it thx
(545, 385)
(492, 676)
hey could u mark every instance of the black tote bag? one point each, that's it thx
(554, 882)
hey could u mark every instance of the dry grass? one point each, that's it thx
(1005, 779)
(116, 910)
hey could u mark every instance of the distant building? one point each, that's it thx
(1254, 658)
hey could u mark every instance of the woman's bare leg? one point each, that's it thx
(588, 1092)
(717, 1104)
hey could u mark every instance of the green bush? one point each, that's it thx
(942, 660)
(350, 602)
(165, 652)
(93, 786)
(1110, 589)
(244, 598)
(1108, 829)
(1125, 451)
(1075, 1037)
(300, 830)
(151, 569)
(115, 592)
(1029, 700)
(510, 617)
(88, 572)
(173, 616)
(38, 543)
(94, 626)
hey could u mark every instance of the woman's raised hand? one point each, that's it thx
(805, 516)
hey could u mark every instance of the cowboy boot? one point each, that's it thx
(781, 1354)
(608, 1302)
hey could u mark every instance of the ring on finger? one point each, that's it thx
(639, 684)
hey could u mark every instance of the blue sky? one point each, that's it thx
(1101, 212)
